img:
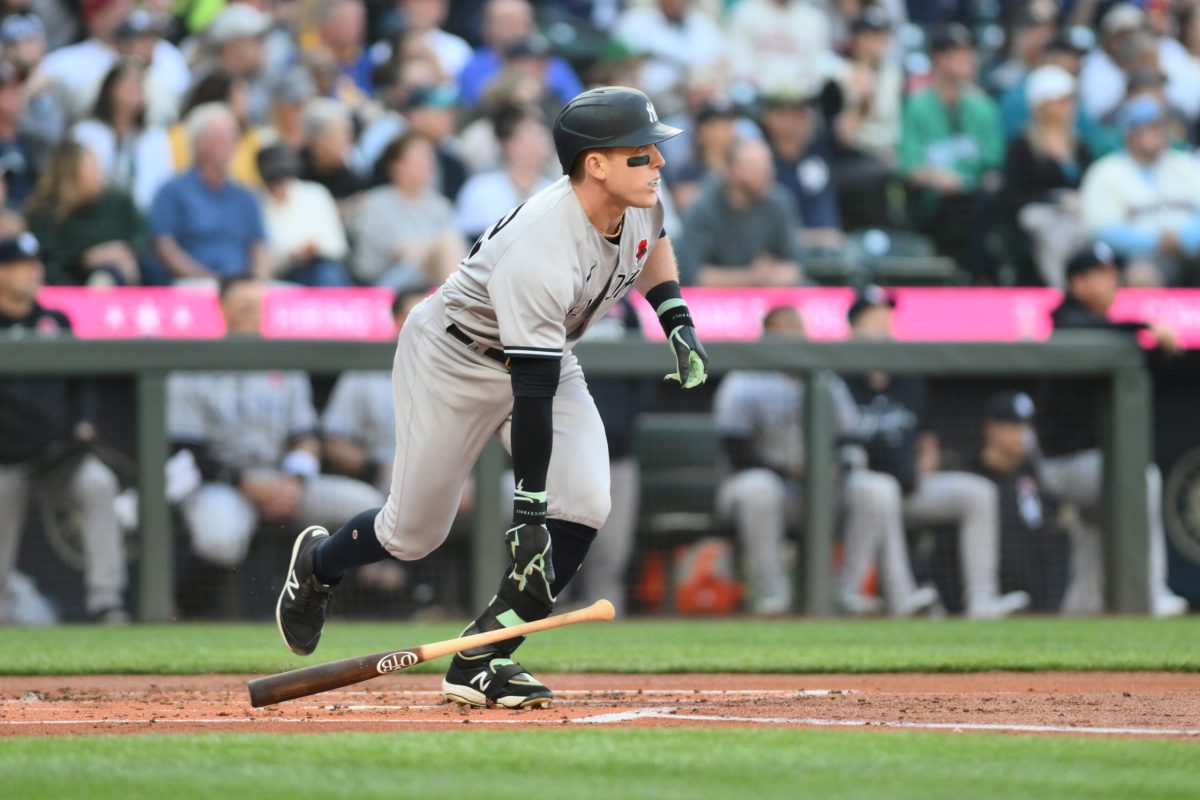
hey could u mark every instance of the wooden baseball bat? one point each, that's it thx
(334, 674)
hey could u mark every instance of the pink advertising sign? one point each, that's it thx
(134, 312)
(328, 314)
(922, 314)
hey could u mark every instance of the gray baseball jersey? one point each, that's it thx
(360, 410)
(539, 277)
(768, 409)
(245, 418)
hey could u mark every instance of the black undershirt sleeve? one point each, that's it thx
(534, 382)
(740, 452)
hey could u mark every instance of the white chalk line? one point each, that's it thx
(668, 713)
(664, 713)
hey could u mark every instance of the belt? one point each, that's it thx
(476, 347)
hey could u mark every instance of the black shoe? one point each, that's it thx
(304, 600)
(488, 682)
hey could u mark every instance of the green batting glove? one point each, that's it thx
(691, 362)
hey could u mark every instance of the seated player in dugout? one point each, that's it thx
(490, 354)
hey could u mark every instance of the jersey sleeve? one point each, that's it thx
(734, 407)
(531, 300)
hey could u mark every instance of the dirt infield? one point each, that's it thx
(1110, 704)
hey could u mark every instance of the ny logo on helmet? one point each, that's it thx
(650, 110)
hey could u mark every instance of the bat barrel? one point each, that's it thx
(317, 678)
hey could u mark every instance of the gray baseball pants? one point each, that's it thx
(1077, 479)
(92, 487)
(449, 402)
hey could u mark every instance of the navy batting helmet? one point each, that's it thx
(609, 116)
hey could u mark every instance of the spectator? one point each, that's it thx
(1034, 25)
(236, 39)
(803, 154)
(672, 37)
(253, 436)
(204, 223)
(134, 157)
(94, 236)
(1124, 42)
(951, 149)
(779, 46)
(404, 231)
(290, 96)
(47, 431)
(1065, 52)
(1144, 202)
(431, 113)
(18, 152)
(165, 78)
(741, 230)
(325, 158)
(44, 102)
(1072, 469)
(1029, 548)
(899, 442)
(304, 232)
(79, 68)
(508, 24)
(1184, 90)
(527, 152)
(1042, 172)
(342, 27)
(868, 126)
(423, 19)
(714, 129)
(760, 419)
(221, 87)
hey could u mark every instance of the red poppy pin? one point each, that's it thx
(643, 246)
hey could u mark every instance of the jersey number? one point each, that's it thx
(499, 226)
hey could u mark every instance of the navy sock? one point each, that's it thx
(570, 543)
(354, 545)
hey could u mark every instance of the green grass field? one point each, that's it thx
(1128, 643)
(615, 764)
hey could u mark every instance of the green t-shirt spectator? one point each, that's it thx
(111, 217)
(970, 141)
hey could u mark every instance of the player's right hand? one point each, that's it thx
(691, 361)
(532, 565)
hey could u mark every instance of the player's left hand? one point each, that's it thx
(691, 361)
(532, 564)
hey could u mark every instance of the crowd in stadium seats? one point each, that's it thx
(1002, 135)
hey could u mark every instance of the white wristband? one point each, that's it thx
(300, 462)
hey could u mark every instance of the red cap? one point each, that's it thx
(91, 7)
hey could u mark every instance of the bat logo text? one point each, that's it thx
(394, 661)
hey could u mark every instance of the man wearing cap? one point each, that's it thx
(741, 231)
(1030, 550)
(801, 146)
(1144, 201)
(46, 438)
(893, 428)
(951, 149)
(1102, 75)
(236, 41)
(1073, 464)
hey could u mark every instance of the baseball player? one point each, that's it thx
(490, 353)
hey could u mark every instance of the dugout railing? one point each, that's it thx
(1126, 427)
